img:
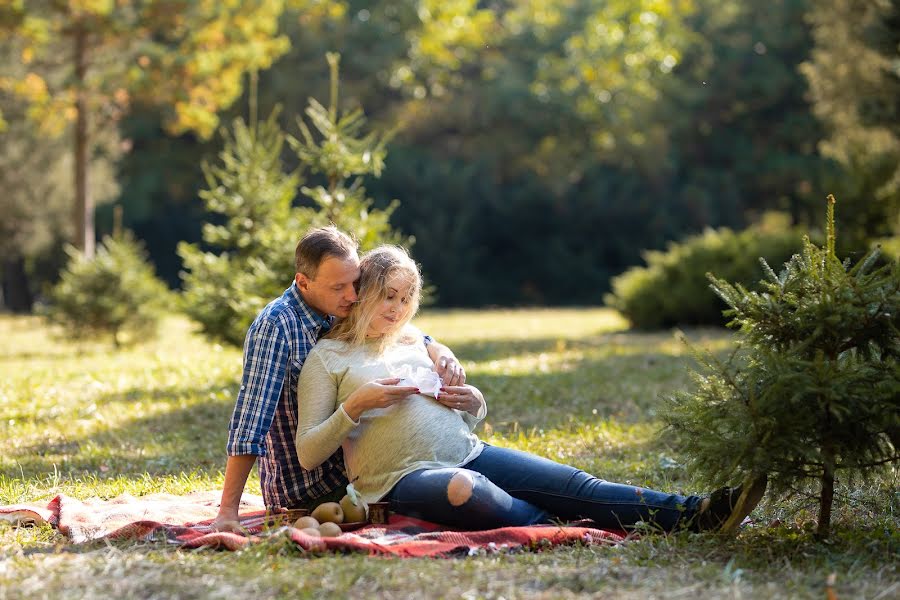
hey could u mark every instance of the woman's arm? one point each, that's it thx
(320, 428)
(380, 393)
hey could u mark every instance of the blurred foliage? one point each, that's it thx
(742, 138)
(115, 293)
(36, 174)
(248, 254)
(84, 63)
(854, 76)
(672, 289)
(891, 247)
(188, 57)
(541, 145)
(814, 393)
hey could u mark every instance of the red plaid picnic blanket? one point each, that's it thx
(185, 521)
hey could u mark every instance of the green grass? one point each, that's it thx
(573, 385)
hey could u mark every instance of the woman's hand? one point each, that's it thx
(467, 398)
(380, 393)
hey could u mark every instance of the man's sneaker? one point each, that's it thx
(728, 507)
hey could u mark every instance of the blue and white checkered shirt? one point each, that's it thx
(264, 422)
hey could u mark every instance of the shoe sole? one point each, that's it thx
(749, 498)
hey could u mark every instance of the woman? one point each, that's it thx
(419, 452)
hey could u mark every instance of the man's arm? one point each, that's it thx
(445, 363)
(264, 367)
(237, 470)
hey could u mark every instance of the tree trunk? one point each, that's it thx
(826, 498)
(16, 292)
(84, 204)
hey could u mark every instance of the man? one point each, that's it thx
(264, 422)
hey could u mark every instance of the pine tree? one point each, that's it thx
(114, 293)
(259, 222)
(813, 391)
(341, 153)
(256, 232)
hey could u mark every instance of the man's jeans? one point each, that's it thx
(518, 488)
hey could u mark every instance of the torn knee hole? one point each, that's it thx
(459, 489)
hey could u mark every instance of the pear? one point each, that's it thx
(330, 512)
(327, 529)
(353, 512)
(311, 531)
(306, 522)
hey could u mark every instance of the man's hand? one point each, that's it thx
(237, 469)
(227, 522)
(380, 393)
(450, 371)
(446, 365)
(467, 398)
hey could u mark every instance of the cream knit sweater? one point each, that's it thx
(386, 444)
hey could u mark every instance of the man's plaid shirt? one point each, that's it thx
(264, 422)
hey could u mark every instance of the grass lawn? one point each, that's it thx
(572, 385)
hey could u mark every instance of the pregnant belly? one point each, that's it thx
(416, 430)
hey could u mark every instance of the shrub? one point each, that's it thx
(814, 390)
(116, 293)
(672, 288)
(890, 247)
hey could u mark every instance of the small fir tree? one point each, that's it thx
(814, 387)
(341, 154)
(114, 293)
(259, 224)
(256, 232)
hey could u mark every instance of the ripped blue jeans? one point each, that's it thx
(504, 487)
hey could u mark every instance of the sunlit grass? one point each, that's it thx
(86, 420)
(467, 326)
(573, 385)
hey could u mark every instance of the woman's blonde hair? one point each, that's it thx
(376, 267)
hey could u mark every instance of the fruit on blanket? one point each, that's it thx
(353, 512)
(327, 529)
(329, 512)
(311, 531)
(306, 523)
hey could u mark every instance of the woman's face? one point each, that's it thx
(392, 310)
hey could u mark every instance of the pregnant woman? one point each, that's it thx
(419, 452)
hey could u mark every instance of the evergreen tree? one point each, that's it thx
(341, 154)
(815, 390)
(256, 232)
(116, 292)
(260, 223)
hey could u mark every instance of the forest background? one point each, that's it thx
(540, 146)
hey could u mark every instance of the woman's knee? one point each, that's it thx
(463, 486)
(460, 487)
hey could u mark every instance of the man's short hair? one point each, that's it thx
(320, 243)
